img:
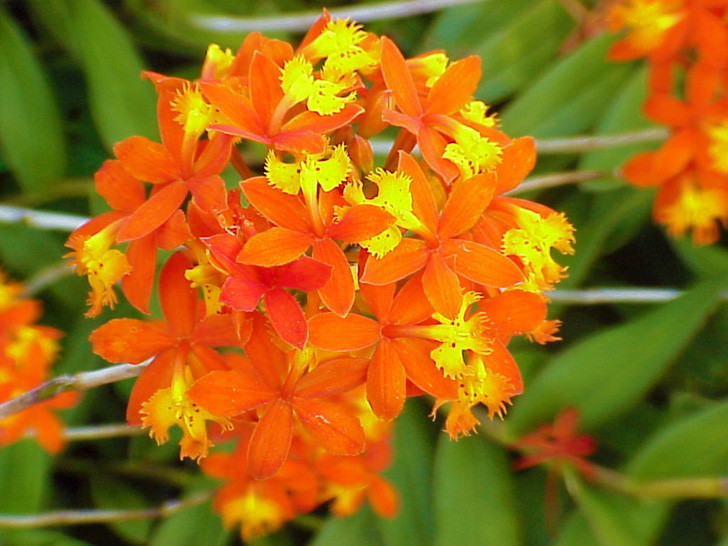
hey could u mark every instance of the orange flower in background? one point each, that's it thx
(27, 352)
(689, 168)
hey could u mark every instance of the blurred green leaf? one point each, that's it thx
(569, 98)
(24, 468)
(359, 529)
(121, 103)
(192, 527)
(606, 373)
(31, 133)
(113, 494)
(611, 517)
(694, 446)
(520, 51)
(410, 473)
(474, 501)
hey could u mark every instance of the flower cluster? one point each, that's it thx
(27, 351)
(685, 43)
(337, 288)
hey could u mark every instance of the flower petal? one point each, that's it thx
(399, 80)
(442, 286)
(146, 160)
(120, 189)
(229, 393)
(129, 340)
(361, 222)
(386, 382)
(334, 428)
(483, 265)
(338, 292)
(285, 211)
(177, 299)
(408, 257)
(154, 212)
(467, 200)
(332, 377)
(454, 87)
(286, 316)
(271, 441)
(334, 333)
(276, 246)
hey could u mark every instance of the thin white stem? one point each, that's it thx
(595, 296)
(45, 277)
(90, 517)
(298, 22)
(70, 382)
(588, 143)
(40, 219)
(556, 179)
(101, 432)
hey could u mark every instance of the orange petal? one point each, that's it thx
(423, 200)
(675, 154)
(667, 110)
(500, 361)
(271, 441)
(483, 265)
(137, 285)
(408, 257)
(286, 316)
(177, 299)
(442, 286)
(467, 200)
(156, 376)
(399, 80)
(432, 146)
(154, 212)
(350, 333)
(421, 370)
(517, 161)
(235, 107)
(120, 189)
(311, 122)
(276, 246)
(283, 210)
(209, 193)
(361, 222)
(638, 170)
(129, 340)
(410, 305)
(229, 393)
(386, 382)
(338, 293)
(454, 87)
(332, 377)
(383, 498)
(146, 160)
(264, 84)
(514, 312)
(334, 428)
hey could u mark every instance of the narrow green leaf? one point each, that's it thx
(360, 529)
(38, 537)
(581, 83)
(694, 446)
(611, 517)
(31, 134)
(519, 52)
(24, 469)
(115, 494)
(121, 103)
(474, 501)
(411, 476)
(192, 527)
(606, 373)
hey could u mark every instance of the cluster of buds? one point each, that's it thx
(27, 351)
(337, 288)
(685, 43)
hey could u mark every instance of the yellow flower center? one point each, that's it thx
(312, 171)
(472, 153)
(647, 21)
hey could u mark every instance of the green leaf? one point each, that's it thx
(24, 469)
(519, 52)
(31, 133)
(606, 373)
(121, 103)
(694, 446)
(38, 537)
(570, 96)
(359, 529)
(614, 520)
(474, 501)
(410, 474)
(114, 494)
(192, 527)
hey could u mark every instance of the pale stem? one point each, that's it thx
(101, 432)
(598, 142)
(70, 382)
(596, 296)
(45, 277)
(298, 22)
(90, 517)
(556, 179)
(40, 219)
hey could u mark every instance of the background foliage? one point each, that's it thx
(650, 381)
